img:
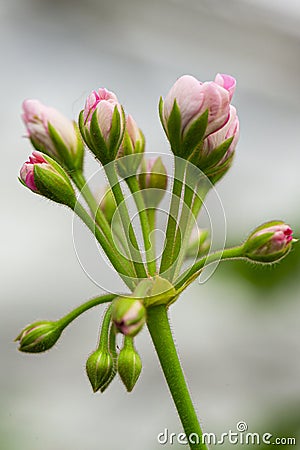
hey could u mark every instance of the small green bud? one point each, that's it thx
(100, 368)
(128, 315)
(129, 364)
(39, 336)
(108, 205)
(199, 243)
(153, 181)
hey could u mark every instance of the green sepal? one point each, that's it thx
(194, 136)
(116, 133)
(161, 114)
(53, 182)
(113, 352)
(63, 154)
(84, 132)
(211, 160)
(99, 147)
(254, 243)
(174, 130)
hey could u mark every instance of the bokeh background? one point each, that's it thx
(238, 334)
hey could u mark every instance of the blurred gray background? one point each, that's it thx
(238, 334)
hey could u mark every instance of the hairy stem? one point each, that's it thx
(159, 328)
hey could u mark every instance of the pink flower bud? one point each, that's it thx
(27, 170)
(193, 98)
(94, 99)
(103, 136)
(269, 242)
(46, 177)
(37, 119)
(135, 134)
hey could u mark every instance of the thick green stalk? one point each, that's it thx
(68, 318)
(144, 220)
(120, 263)
(159, 328)
(127, 226)
(192, 272)
(167, 256)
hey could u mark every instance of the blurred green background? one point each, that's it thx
(238, 334)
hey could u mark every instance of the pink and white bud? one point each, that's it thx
(94, 99)
(269, 242)
(37, 118)
(44, 176)
(229, 130)
(27, 170)
(135, 134)
(193, 98)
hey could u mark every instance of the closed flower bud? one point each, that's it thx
(269, 242)
(108, 204)
(128, 315)
(53, 134)
(192, 110)
(102, 124)
(129, 364)
(44, 176)
(198, 244)
(153, 181)
(39, 336)
(100, 368)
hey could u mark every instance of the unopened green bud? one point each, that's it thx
(108, 205)
(199, 243)
(128, 315)
(100, 368)
(129, 364)
(39, 336)
(153, 181)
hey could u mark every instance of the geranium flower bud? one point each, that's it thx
(129, 364)
(198, 244)
(102, 124)
(215, 157)
(108, 204)
(192, 110)
(269, 242)
(227, 82)
(128, 315)
(39, 336)
(153, 181)
(99, 368)
(132, 148)
(53, 134)
(44, 176)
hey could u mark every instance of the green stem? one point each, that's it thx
(159, 328)
(120, 263)
(105, 328)
(127, 226)
(167, 256)
(151, 213)
(191, 208)
(68, 318)
(97, 213)
(194, 271)
(146, 230)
